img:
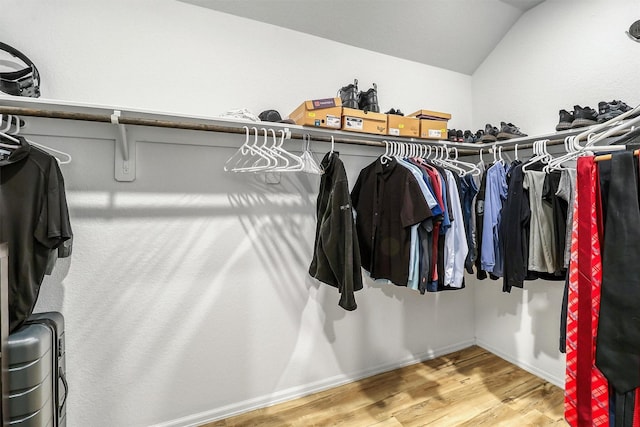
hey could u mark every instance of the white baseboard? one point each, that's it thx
(304, 390)
(553, 379)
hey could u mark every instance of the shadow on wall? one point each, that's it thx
(279, 228)
(189, 272)
(544, 304)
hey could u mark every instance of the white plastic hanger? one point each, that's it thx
(4, 133)
(333, 146)
(280, 161)
(571, 154)
(295, 162)
(384, 159)
(540, 154)
(253, 159)
(481, 164)
(473, 169)
(449, 163)
(309, 162)
(66, 157)
(240, 153)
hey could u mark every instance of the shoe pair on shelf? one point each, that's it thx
(366, 101)
(587, 116)
(473, 138)
(579, 117)
(610, 110)
(467, 136)
(395, 112)
(454, 135)
(506, 131)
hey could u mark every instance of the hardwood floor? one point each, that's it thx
(471, 387)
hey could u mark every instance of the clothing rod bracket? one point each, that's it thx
(125, 153)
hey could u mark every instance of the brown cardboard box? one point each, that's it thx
(360, 121)
(402, 126)
(324, 113)
(433, 124)
(431, 115)
(433, 129)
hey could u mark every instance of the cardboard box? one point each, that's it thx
(403, 126)
(430, 115)
(367, 122)
(433, 124)
(433, 129)
(324, 113)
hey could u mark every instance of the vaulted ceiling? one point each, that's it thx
(453, 34)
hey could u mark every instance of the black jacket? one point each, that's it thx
(336, 255)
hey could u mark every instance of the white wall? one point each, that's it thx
(176, 57)
(559, 54)
(187, 297)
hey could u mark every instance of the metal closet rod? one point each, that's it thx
(139, 121)
(507, 145)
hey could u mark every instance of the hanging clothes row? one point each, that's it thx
(409, 219)
(520, 224)
(404, 221)
(34, 219)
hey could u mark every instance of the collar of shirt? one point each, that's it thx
(18, 153)
(385, 169)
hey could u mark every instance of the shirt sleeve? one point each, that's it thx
(414, 206)
(53, 226)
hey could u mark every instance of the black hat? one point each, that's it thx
(273, 116)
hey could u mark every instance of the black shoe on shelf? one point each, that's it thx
(349, 95)
(469, 137)
(368, 101)
(451, 135)
(478, 136)
(582, 117)
(566, 119)
(610, 110)
(508, 131)
(395, 112)
(490, 133)
(459, 135)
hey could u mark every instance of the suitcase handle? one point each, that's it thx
(63, 377)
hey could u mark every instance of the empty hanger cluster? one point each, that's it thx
(264, 152)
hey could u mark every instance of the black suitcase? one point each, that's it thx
(37, 383)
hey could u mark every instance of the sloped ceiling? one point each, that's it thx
(453, 34)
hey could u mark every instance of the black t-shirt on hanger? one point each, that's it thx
(34, 220)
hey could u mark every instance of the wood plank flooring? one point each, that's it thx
(471, 387)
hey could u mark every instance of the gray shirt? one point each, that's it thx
(542, 252)
(566, 191)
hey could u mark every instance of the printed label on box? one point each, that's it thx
(333, 122)
(323, 103)
(311, 114)
(401, 126)
(353, 123)
(394, 131)
(435, 133)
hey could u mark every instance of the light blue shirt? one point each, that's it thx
(491, 259)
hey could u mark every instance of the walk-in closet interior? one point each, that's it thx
(185, 288)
